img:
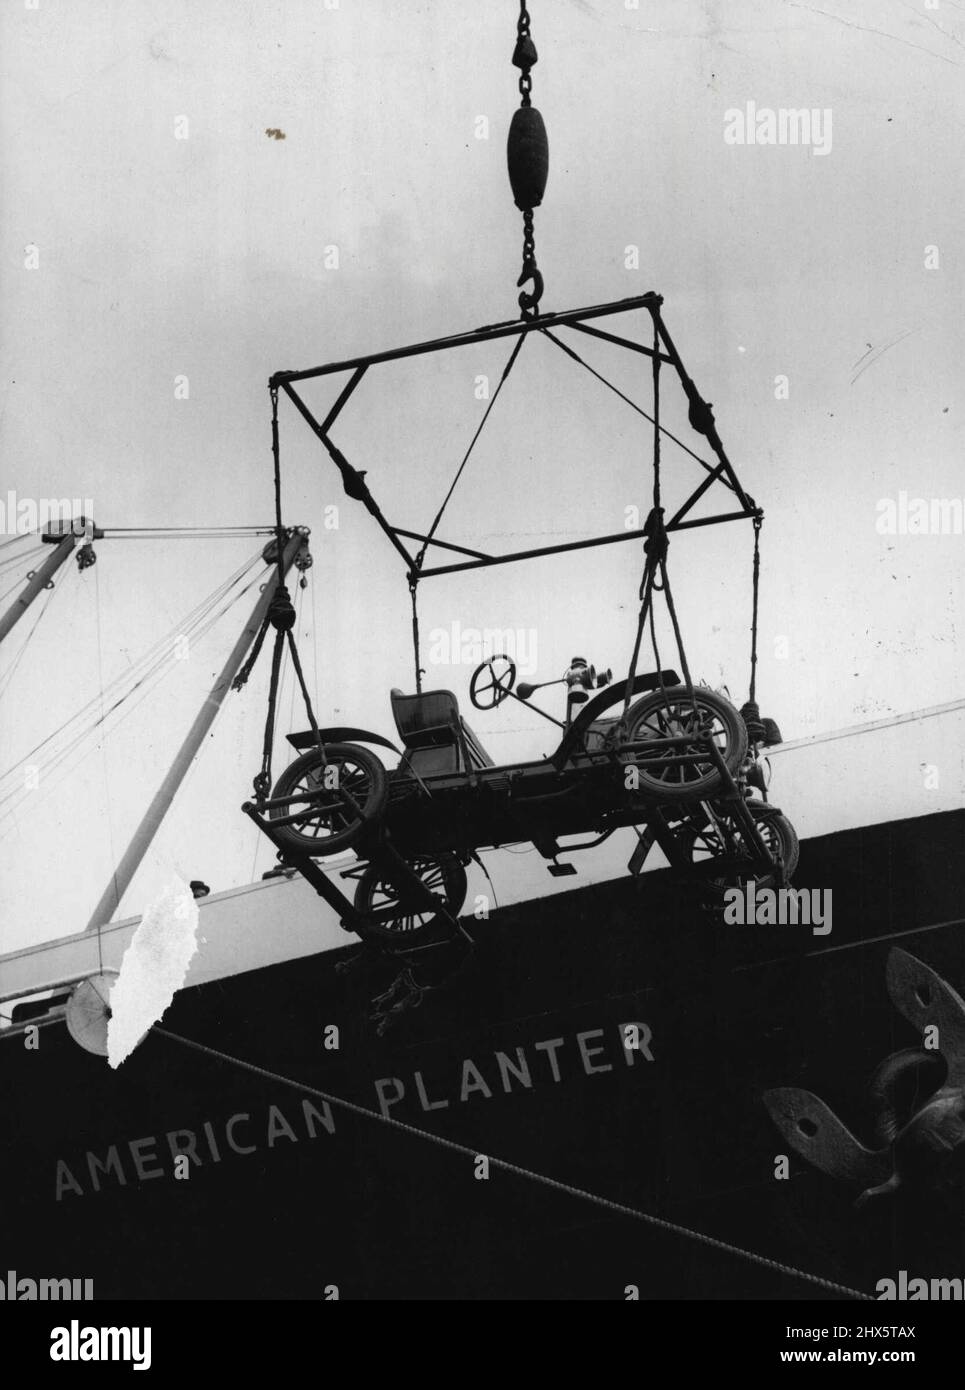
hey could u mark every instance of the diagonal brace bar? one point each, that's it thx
(620, 342)
(352, 480)
(701, 415)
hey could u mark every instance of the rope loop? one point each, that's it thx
(657, 542)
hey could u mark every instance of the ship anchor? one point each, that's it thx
(924, 1152)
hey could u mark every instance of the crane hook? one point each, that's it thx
(529, 300)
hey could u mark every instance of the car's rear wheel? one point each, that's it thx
(699, 717)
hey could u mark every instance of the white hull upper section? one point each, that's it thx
(866, 776)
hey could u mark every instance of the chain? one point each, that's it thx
(524, 58)
(523, 48)
(529, 299)
(529, 240)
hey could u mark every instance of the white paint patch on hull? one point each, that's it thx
(154, 968)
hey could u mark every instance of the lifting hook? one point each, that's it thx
(529, 301)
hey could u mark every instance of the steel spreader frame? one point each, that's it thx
(700, 415)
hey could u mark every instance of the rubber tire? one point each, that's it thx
(455, 883)
(371, 809)
(787, 835)
(734, 752)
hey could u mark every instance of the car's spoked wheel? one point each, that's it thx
(676, 714)
(720, 836)
(402, 920)
(330, 804)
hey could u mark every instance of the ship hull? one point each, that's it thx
(615, 1039)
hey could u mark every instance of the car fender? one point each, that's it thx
(340, 734)
(610, 695)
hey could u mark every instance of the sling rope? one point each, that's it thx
(281, 616)
(511, 362)
(276, 468)
(655, 548)
(750, 710)
(754, 619)
(416, 570)
(571, 352)
(554, 1184)
(417, 656)
(755, 586)
(657, 542)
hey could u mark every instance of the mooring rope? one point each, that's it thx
(554, 1184)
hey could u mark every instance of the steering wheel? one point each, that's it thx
(492, 681)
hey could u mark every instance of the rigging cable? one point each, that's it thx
(655, 548)
(416, 570)
(107, 789)
(311, 581)
(61, 760)
(419, 668)
(755, 586)
(670, 1227)
(18, 585)
(148, 663)
(183, 532)
(571, 352)
(13, 561)
(7, 678)
(511, 362)
(281, 616)
(750, 712)
(161, 664)
(853, 730)
(21, 536)
(291, 721)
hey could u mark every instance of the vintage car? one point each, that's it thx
(671, 761)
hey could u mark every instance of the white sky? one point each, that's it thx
(205, 257)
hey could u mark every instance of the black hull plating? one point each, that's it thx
(522, 1059)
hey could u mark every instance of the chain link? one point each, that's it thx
(529, 300)
(524, 57)
(523, 37)
(529, 240)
